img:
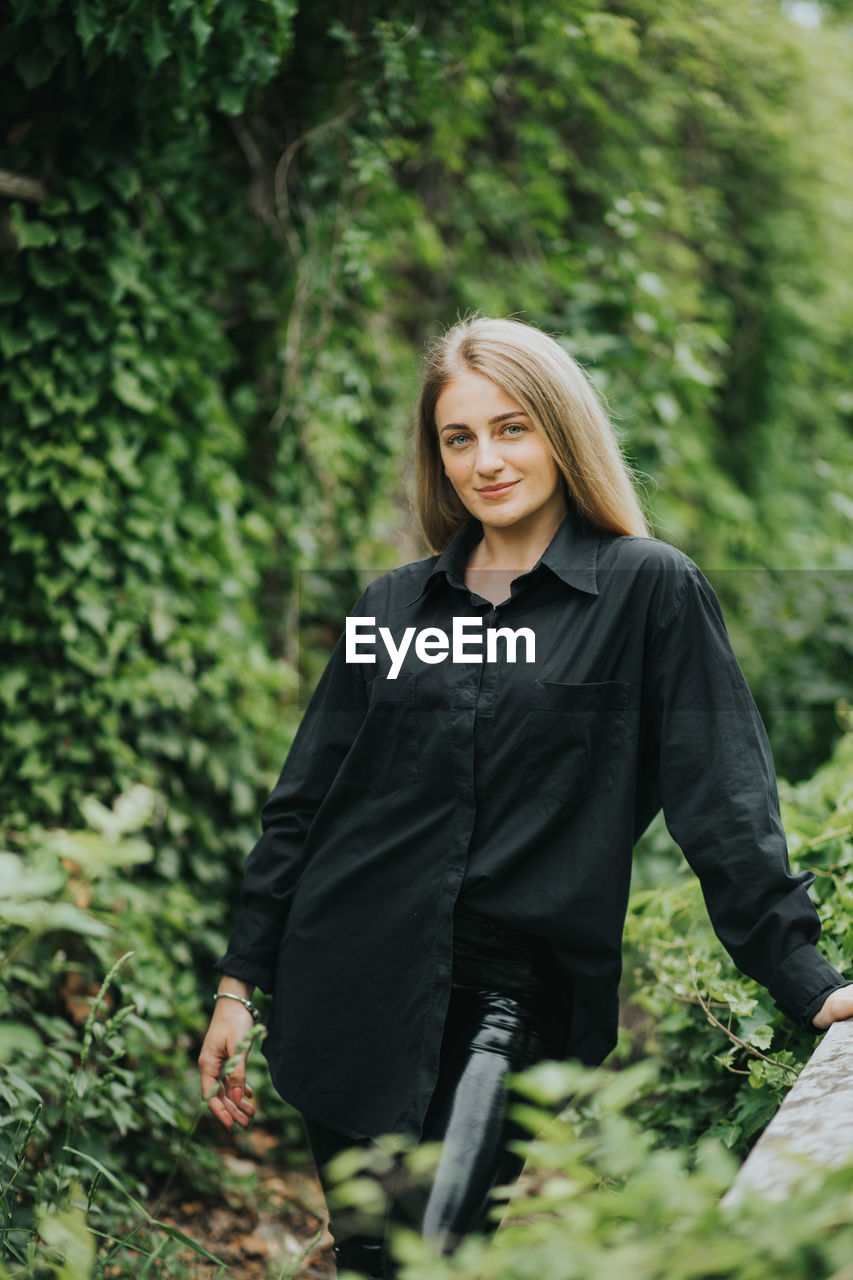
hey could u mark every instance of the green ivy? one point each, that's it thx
(726, 1051)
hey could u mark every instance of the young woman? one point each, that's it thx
(438, 895)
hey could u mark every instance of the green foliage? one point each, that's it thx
(84, 1057)
(793, 634)
(176, 56)
(131, 628)
(100, 1104)
(597, 1199)
(728, 1055)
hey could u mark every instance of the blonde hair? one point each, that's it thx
(555, 391)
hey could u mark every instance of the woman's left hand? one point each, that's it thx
(837, 1006)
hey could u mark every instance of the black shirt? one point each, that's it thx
(519, 788)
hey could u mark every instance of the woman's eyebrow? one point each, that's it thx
(501, 417)
(513, 413)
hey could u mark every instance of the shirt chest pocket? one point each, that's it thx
(576, 740)
(385, 753)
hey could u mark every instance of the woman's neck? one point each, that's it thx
(504, 554)
(515, 549)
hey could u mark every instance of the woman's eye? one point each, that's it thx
(460, 435)
(515, 428)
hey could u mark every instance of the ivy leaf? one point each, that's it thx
(17, 1039)
(34, 67)
(23, 882)
(30, 233)
(122, 458)
(12, 682)
(160, 1107)
(761, 1037)
(96, 614)
(96, 854)
(201, 28)
(127, 387)
(66, 1233)
(51, 791)
(231, 98)
(155, 44)
(50, 917)
(11, 290)
(85, 194)
(125, 181)
(13, 342)
(130, 812)
(85, 24)
(48, 273)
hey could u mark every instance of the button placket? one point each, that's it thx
(483, 717)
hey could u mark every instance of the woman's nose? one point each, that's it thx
(488, 457)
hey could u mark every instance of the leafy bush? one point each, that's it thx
(727, 1054)
(597, 1199)
(132, 622)
(100, 1025)
(793, 632)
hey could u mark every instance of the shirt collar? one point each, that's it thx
(571, 554)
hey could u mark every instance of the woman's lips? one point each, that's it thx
(495, 490)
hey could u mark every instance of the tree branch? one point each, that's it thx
(16, 187)
(756, 1053)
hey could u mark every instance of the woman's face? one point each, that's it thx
(494, 456)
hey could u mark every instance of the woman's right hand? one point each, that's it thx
(229, 1097)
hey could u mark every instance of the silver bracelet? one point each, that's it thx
(253, 1009)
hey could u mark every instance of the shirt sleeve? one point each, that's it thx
(721, 805)
(326, 732)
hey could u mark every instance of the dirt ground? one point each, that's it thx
(277, 1227)
(267, 1243)
(273, 1227)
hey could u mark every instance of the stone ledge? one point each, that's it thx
(812, 1128)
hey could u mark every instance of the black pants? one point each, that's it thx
(501, 1019)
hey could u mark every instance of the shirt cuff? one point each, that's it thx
(801, 984)
(257, 975)
(252, 948)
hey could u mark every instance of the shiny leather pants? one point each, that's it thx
(488, 1033)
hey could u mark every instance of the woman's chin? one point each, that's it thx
(496, 513)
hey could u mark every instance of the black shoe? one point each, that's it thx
(363, 1255)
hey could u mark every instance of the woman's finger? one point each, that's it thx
(227, 1096)
(236, 1104)
(837, 1007)
(238, 1097)
(237, 1112)
(209, 1081)
(219, 1110)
